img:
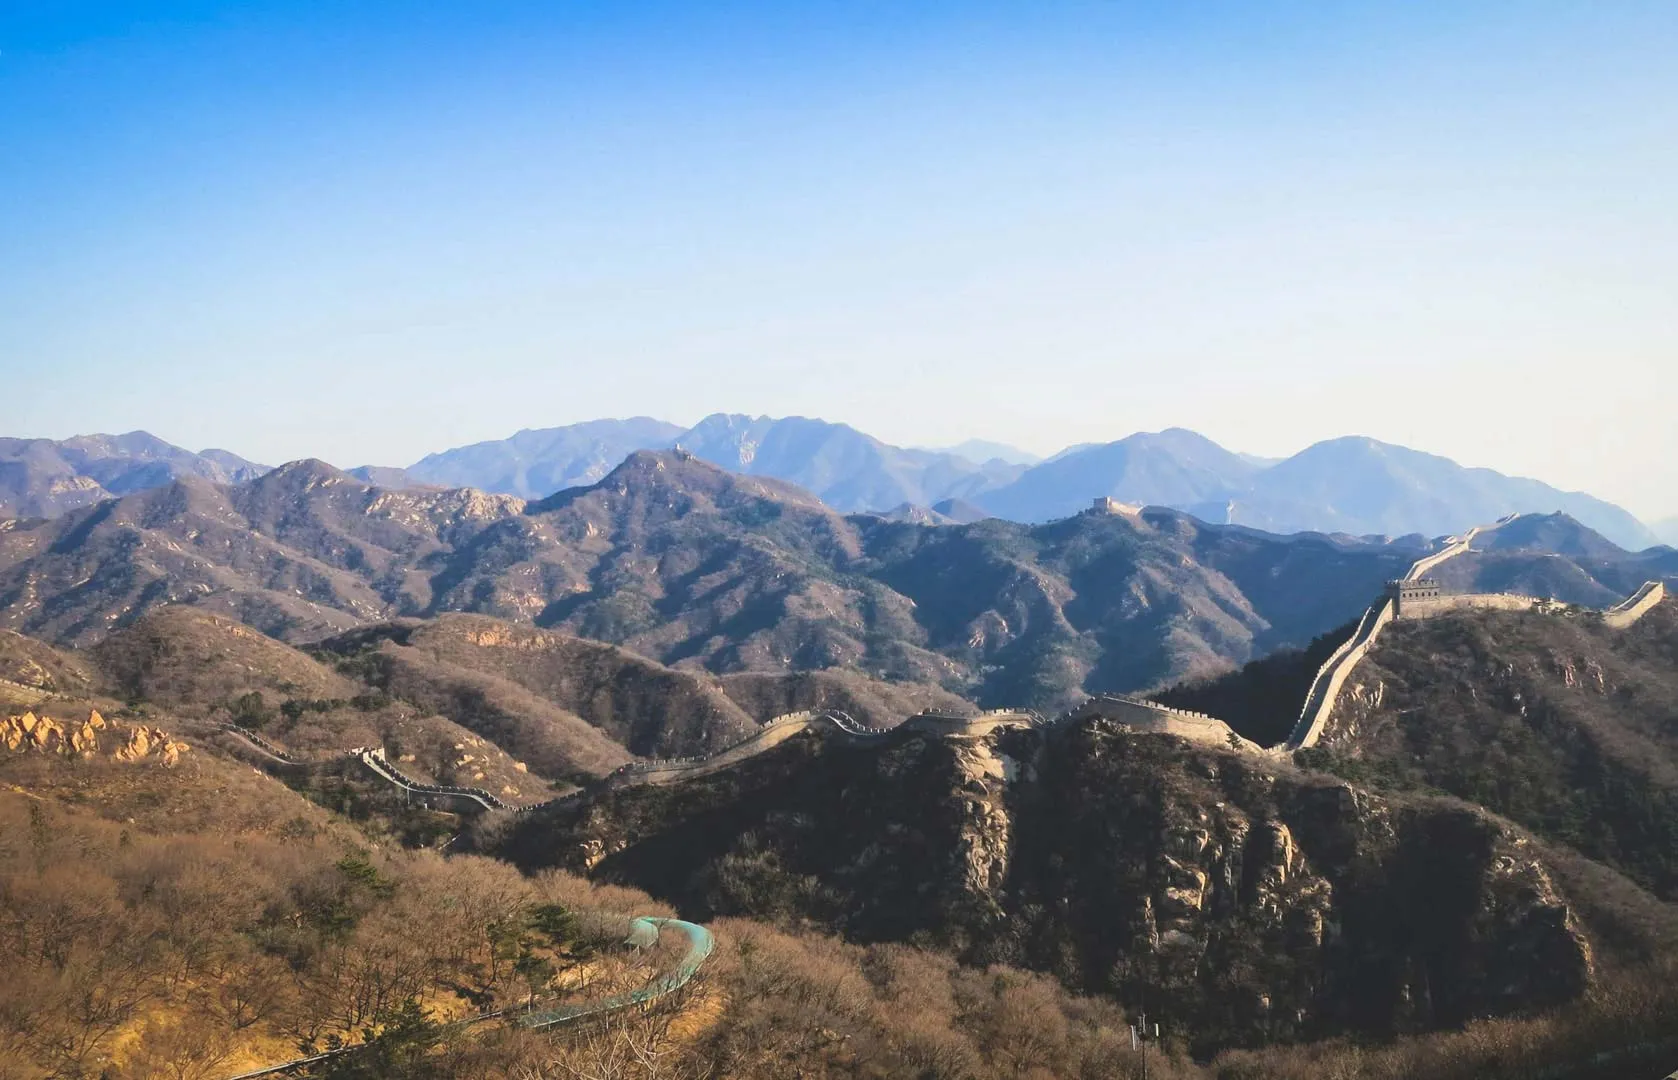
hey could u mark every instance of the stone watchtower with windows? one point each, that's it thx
(1419, 591)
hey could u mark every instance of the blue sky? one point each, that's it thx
(368, 230)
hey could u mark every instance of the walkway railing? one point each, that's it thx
(643, 931)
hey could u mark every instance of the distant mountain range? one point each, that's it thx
(986, 450)
(697, 567)
(44, 478)
(534, 464)
(1352, 485)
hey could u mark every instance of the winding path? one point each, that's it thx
(643, 931)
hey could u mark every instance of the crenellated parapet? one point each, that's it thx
(1415, 596)
(1139, 714)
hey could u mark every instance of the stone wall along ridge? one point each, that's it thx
(1152, 716)
(375, 760)
(772, 732)
(1319, 702)
(1635, 606)
(33, 693)
(1325, 688)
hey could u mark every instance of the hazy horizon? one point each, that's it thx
(367, 235)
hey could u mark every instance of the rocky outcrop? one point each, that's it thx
(1248, 901)
(91, 738)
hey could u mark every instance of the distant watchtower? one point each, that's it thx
(1412, 592)
(1106, 504)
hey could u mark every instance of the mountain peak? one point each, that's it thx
(656, 474)
(305, 473)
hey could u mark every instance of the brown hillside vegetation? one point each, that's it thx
(571, 707)
(202, 670)
(35, 665)
(640, 704)
(186, 657)
(194, 921)
(198, 921)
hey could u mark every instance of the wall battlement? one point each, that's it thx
(1428, 607)
(1415, 596)
(1150, 716)
(1635, 606)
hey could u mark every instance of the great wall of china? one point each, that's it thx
(1136, 713)
(1331, 677)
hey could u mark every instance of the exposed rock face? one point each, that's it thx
(127, 742)
(1249, 905)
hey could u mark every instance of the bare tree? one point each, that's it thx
(629, 1044)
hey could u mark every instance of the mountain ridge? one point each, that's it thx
(45, 477)
(1352, 484)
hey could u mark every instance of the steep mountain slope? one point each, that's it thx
(679, 561)
(303, 550)
(1559, 723)
(1248, 902)
(572, 707)
(535, 464)
(182, 657)
(843, 467)
(32, 671)
(201, 671)
(686, 563)
(44, 478)
(543, 694)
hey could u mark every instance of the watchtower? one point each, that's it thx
(1417, 591)
(1106, 504)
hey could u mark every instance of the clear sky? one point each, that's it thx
(369, 229)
